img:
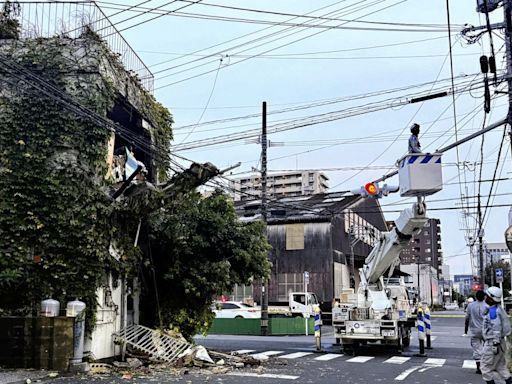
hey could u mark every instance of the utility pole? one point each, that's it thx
(480, 244)
(264, 281)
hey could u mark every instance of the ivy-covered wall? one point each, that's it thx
(56, 221)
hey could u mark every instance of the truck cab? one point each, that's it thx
(300, 304)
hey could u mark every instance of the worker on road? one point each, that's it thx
(414, 144)
(496, 326)
(474, 322)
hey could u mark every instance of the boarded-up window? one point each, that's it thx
(294, 237)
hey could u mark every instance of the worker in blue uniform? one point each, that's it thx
(496, 327)
(414, 144)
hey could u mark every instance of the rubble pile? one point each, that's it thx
(196, 359)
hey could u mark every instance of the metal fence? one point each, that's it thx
(71, 19)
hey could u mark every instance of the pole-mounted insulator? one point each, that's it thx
(492, 64)
(484, 64)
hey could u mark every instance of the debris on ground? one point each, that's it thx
(198, 359)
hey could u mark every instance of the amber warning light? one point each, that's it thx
(371, 189)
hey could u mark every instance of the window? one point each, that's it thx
(300, 298)
(294, 237)
(229, 306)
(289, 282)
(428, 250)
(426, 233)
(241, 293)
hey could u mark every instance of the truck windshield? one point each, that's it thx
(312, 299)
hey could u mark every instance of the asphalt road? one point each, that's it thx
(293, 359)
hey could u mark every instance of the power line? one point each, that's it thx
(304, 122)
(396, 27)
(271, 49)
(267, 12)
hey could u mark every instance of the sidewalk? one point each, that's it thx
(15, 376)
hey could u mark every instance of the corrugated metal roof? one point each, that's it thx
(318, 207)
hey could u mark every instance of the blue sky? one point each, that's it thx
(341, 69)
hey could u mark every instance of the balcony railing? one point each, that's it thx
(45, 19)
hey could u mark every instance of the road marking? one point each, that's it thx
(244, 351)
(433, 338)
(469, 364)
(406, 373)
(295, 355)
(328, 356)
(268, 353)
(397, 360)
(427, 367)
(264, 375)
(360, 359)
(436, 362)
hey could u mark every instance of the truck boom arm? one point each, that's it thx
(386, 252)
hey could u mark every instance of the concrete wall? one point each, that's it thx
(36, 342)
(99, 345)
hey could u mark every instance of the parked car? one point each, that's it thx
(235, 310)
(451, 306)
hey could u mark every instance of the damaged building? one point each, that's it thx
(88, 57)
(328, 235)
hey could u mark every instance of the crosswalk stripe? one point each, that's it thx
(244, 351)
(295, 355)
(269, 353)
(436, 362)
(429, 363)
(328, 356)
(469, 364)
(360, 359)
(397, 360)
(433, 338)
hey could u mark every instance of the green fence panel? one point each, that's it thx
(235, 327)
(277, 326)
(291, 326)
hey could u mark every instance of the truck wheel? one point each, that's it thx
(355, 348)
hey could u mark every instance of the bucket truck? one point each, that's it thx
(381, 311)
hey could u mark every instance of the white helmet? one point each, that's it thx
(494, 293)
(470, 300)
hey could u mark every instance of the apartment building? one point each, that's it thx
(425, 247)
(285, 184)
(422, 259)
(495, 252)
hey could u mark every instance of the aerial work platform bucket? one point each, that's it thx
(420, 174)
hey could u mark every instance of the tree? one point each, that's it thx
(199, 249)
(490, 275)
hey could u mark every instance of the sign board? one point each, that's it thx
(306, 277)
(499, 275)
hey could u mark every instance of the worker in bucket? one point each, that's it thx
(474, 322)
(496, 326)
(414, 144)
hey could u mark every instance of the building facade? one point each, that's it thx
(425, 247)
(328, 235)
(287, 184)
(423, 260)
(463, 284)
(495, 252)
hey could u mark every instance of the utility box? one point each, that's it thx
(420, 174)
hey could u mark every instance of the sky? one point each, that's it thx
(357, 63)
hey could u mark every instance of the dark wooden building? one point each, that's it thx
(318, 234)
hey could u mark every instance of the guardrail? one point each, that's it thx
(45, 19)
